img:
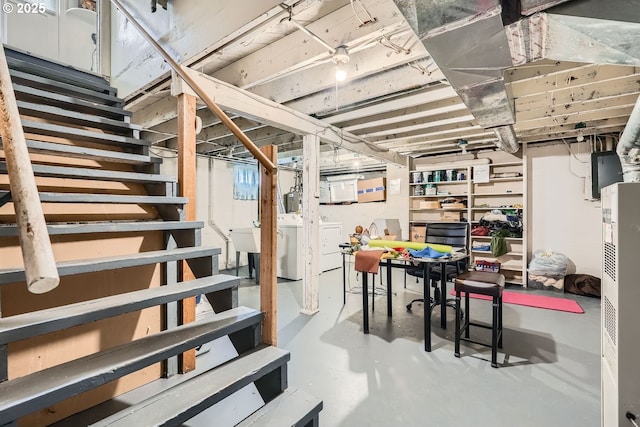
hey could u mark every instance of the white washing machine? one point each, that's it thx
(290, 263)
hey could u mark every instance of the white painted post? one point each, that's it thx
(39, 264)
(311, 216)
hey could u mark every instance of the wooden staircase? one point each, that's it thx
(118, 232)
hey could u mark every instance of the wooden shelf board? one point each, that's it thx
(509, 268)
(513, 239)
(439, 195)
(490, 208)
(493, 165)
(464, 181)
(438, 209)
(505, 179)
(514, 193)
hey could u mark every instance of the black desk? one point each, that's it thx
(440, 297)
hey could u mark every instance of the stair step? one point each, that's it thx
(10, 230)
(30, 393)
(109, 198)
(93, 174)
(88, 153)
(184, 401)
(41, 322)
(53, 85)
(293, 408)
(91, 265)
(102, 198)
(68, 102)
(46, 197)
(27, 63)
(61, 115)
(59, 131)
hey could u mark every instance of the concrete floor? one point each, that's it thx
(549, 374)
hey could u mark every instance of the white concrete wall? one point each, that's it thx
(560, 219)
(186, 29)
(216, 205)
(396, 206)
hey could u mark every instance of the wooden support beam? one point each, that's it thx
(311, 215)
(268, 248)
(266, 111)
(187, 188)
(40, 265)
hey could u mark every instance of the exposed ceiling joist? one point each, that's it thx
(231, 98)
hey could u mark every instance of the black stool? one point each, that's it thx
(482, 283)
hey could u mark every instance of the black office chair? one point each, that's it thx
(454, 234)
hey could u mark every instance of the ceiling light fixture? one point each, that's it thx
(340, 57)
(462, 143)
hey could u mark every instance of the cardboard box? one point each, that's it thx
(372, 190)
(430, 204)
(453, 216)
(418, 233)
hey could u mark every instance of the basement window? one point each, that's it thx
(246, 182)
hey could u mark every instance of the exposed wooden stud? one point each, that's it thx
(40, 265)
(311, 215)
(187, 188)
(268, 248)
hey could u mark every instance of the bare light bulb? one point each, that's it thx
(341, 74)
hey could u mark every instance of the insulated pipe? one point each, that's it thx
(39, 264)
(630, 140)
(208, 101)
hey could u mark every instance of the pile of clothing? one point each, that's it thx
(507, 220)
(500, 224)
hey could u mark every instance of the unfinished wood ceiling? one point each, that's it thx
(397, 97)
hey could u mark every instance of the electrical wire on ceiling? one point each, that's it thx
(370, 19)
(421, 68)
(386, 42)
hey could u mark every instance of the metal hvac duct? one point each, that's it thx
(629, 146)
(468, 40)
(579, 31)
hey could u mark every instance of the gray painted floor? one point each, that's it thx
(549, 374)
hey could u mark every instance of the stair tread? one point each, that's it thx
(90, 265)
(291, 408)
(183, 401)
(80, 91)
(93, 174)
(68, 101)
(40, 322)
(46, 197)
(49, 129)
(88, 153)
(18, 60)
(23, 395)
(107, 227)
(51, 112)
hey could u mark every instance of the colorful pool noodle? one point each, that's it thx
(409, 245)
